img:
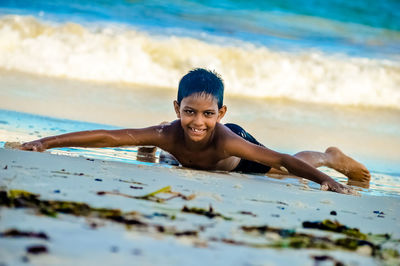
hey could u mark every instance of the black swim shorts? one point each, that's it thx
(246, 166)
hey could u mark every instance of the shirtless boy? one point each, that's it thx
(198, 140)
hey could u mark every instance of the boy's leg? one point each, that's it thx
(335, 159)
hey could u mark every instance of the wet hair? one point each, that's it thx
(201, 81)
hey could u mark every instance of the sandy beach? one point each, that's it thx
(297, 77)
(164, 233)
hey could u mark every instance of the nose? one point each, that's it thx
(198, 120)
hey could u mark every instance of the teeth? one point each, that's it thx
(197, 130)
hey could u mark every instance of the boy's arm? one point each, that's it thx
(98, 139)
(236, 146)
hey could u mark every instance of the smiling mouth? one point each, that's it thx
(197, 130)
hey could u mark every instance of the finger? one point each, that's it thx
(24, 147)
(338, 188)
(352, 191)
(324, 187)
(348, 190)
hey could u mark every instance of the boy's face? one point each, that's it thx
(199, 114)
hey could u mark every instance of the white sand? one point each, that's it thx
(277, 203)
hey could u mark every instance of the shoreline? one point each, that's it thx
(369, 135)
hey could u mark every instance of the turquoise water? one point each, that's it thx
(363, 28)
(327, 52)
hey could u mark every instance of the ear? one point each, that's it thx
(221, 112)
(177, 109)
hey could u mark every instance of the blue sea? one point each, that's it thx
(335, 52)
(298, 75)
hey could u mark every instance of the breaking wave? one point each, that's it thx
(116, 53)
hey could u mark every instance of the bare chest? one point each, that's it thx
(205, 160)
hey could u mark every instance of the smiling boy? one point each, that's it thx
(198, 140)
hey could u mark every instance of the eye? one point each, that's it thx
(209, 113)
(189, 112)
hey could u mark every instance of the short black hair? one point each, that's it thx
(201, 80)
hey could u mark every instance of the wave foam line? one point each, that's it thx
(116, 54)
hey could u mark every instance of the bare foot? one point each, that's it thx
(342, 163)
(146, 154)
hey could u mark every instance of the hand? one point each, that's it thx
(334, 186)
(36, 145)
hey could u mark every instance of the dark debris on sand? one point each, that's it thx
(351, 240)
(208, 213)
(17, 233)
(36, 249)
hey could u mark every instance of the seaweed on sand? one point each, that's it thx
(24, 199)
(17, 233)
(153, 195)
(208, 213)
(335, 226)
(353, 241)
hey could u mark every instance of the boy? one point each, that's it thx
(197, 139)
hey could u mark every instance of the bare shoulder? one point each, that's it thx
(223, 133)
(168, 133)
(234, 145)
(224, 137)
(169, 129)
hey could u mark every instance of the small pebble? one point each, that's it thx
(275, 215)
(5, 168)
(248, 213)
(281, 208)
(238, 186)
(333, 213)
(137, 252)
(37, 249)
(93, 225)
(381, 216)
(98, 179)
(56, 191)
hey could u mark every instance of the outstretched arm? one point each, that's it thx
(97, 139)
(300, 168)
(241, 148)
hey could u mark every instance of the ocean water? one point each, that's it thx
(297, 76)
(329, 52)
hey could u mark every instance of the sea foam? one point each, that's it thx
(115, 53)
